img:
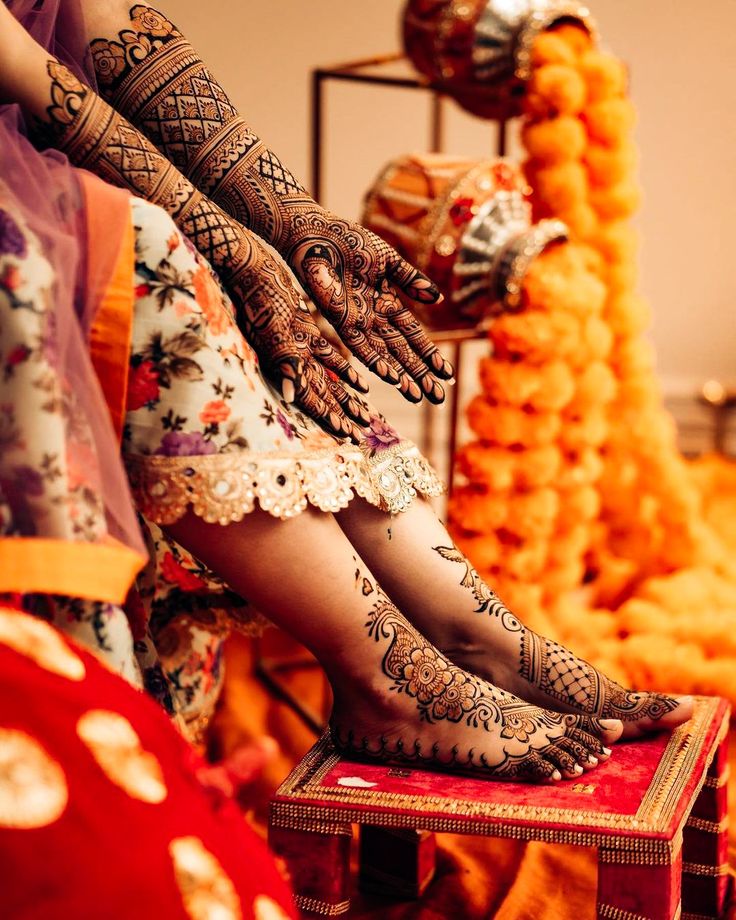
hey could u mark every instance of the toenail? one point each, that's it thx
(577, 769)
(607, 751)
(556, 775)
(610, 724)
(593, 761)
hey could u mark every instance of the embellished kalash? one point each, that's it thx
(656, 812)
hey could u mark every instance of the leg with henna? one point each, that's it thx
(438, 589)
(397, 698)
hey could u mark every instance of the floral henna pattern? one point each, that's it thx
(151, 74)
(524, 741)
(555, 670)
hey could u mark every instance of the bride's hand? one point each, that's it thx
(292, 351)
(356, 280)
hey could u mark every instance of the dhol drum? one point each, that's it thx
(479, 51)
(465, 223)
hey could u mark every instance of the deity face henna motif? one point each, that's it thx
(96, 137)
(555, 670)
(352, 275)
(522, 740)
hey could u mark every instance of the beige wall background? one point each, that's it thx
(682, 58)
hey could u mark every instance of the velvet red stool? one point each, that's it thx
(656, 812)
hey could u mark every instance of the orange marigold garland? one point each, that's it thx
(578, 506)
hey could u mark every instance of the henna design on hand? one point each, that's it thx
(558, 672)
(152, 75)
(353, 277)
(280, 329)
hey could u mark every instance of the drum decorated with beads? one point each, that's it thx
(466, 224)
(479, 51)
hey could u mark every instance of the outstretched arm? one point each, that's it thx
(69, 116)
(149, 72)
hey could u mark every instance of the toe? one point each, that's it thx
(540, 770)
(608, 730)
(593, 745)
(582, 755)
(563, 760)
(659, 713)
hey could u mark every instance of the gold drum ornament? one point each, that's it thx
(465, 223)
(479, 51)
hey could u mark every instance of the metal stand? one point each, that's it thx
(389, 70)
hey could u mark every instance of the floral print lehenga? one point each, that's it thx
(202, 429)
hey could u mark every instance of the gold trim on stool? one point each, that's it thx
(689, 868)
(710, 827)
(289, 810)
(323, 908)
(717, 782)
(607, 912)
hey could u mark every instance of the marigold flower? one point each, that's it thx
(550, 48)
(557, 89)
(564, 185)
(616, 201)
(610, 120)
(609, 164)
(604, 74)
(555, 140)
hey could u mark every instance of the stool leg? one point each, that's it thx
(705, 844)
(631, 891)
(394, 862)
(318, 865)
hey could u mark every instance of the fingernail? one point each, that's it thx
(438, 394)
(288, 391)
(451, 381)
(607, 751)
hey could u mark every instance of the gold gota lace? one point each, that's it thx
(223, 488)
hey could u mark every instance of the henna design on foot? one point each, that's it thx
(557, 674)
(498, 734)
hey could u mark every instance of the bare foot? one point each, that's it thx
(432, 714)
(494, 644)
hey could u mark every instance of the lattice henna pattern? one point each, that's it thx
(573, 681)
(270, 311)
(153, 75)
(557, 671)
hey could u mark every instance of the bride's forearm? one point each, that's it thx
(150, 73)
(64, 113)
